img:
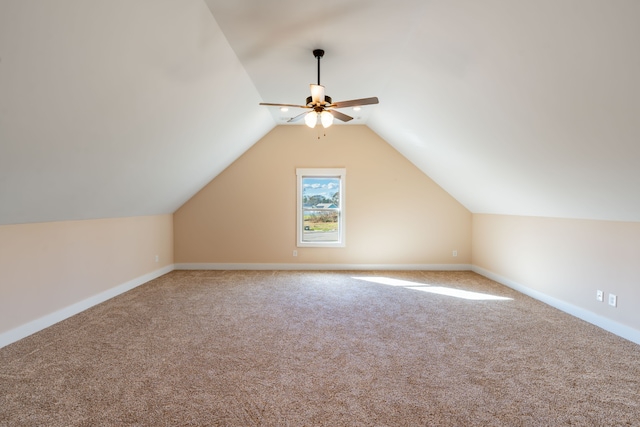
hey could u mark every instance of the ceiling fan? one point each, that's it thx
(321, 106)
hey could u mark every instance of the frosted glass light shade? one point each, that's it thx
(326, 118)
(311, 119)
(317, 93)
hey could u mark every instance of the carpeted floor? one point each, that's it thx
(281, 348)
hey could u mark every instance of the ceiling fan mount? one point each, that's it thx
(322, 107)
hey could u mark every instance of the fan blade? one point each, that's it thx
(283, 105)
(317, 93)
(298, 117)
(338, 115)
(355, 102)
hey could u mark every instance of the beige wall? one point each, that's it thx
(394, 213)
(565, 259)
(46, 267)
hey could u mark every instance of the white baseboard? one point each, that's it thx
(41, 323)
(614, 327)
(268, 266)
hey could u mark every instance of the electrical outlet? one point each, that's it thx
(613, 300)
(599, 295)
(157, 258)
(455, 253)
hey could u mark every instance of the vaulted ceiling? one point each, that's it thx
(114, 108)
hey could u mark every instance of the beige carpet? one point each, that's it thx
(243, 348)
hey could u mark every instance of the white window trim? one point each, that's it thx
(321, 173)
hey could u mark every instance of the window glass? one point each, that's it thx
(320, 207)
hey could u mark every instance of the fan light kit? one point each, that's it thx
(322, 108)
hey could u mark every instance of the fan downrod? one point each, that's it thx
(318, 53)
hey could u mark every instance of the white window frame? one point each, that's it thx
(340, 173)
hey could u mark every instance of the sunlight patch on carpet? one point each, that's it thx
(440, 290)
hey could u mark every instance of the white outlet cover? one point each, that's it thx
(613, 300)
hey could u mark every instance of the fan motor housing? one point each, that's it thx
(327, 100)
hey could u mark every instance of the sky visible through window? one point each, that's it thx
(325, 187)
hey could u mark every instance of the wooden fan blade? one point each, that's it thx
(340, 116)
(355, 102)
(298, 117)
(283, 105)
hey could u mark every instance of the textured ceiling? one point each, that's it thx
(121, 108)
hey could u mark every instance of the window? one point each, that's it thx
(321, 207)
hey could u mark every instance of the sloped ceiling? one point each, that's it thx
(119, 108)
(113, 108)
